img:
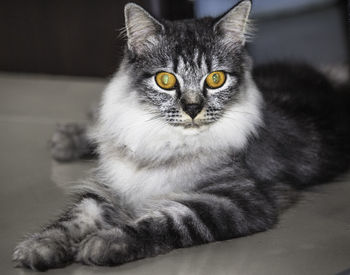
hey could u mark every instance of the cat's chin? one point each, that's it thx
(194, 129)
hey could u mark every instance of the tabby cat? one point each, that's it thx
(194, 145)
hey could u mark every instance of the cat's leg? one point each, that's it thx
(214, 213)
(70, 142)
(56, 245)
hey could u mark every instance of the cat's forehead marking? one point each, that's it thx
(195, 56)
(195, 64)
(204, 64)
(182, 67)
(192, 69)
(215, 63)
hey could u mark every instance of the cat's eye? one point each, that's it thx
(215, 79)
(165, 80)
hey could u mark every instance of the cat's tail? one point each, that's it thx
(339, 77)
(343, 115)
(337, 153)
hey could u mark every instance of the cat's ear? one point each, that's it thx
(141, 28)
(233, 25)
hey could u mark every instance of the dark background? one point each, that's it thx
(81, 37)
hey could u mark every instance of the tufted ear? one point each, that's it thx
(234, 23)
(141, 28)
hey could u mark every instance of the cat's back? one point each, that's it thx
(294, 87)
(305, 133)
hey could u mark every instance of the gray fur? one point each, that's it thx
(166, 180)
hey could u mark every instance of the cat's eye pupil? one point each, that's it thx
(165, 79)
(216, 78)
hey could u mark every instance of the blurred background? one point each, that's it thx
(80, 37)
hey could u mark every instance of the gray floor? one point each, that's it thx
(312, 238)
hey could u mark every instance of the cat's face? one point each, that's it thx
(188, 72)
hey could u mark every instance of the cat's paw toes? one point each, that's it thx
(65, 143)
(102, 249)
(40, 254)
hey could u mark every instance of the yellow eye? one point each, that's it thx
(215, 79)
(166, 80)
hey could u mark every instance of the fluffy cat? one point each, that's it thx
(194, 145)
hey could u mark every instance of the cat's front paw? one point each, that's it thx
(105, 249)
(68, 142)
(41, 253)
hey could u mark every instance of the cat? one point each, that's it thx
(194, 145)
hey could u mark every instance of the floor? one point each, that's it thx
(312, 237)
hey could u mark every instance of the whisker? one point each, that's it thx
(157, 116)
(240, 112)
(236, 119)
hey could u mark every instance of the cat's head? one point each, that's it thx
(183, 88)
(187, 73)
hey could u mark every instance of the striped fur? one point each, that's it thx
(165, 180)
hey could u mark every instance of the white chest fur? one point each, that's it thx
(136, 184)
(124, 123)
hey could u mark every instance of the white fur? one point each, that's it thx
(125, 124)
(88, 213)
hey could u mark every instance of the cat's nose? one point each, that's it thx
(192, 109)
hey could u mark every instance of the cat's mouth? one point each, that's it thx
(193, 124)
(201, 121)
(196, 125)
(197, 122)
